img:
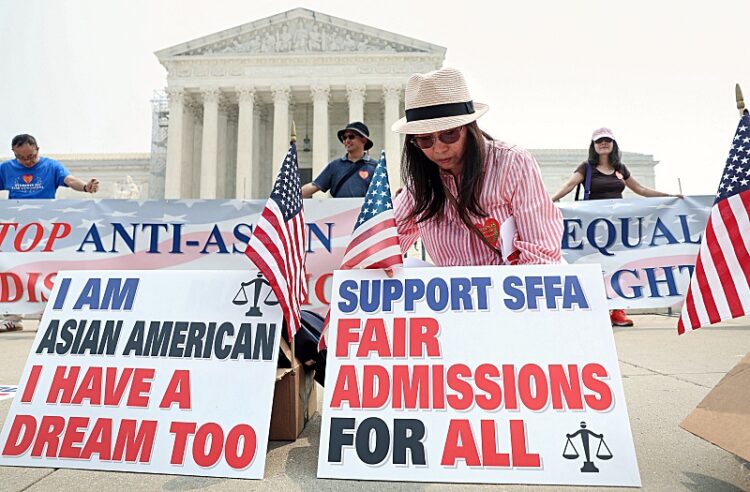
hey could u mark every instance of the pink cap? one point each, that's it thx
(602, 133)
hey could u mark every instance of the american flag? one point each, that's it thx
(720, 286)
(374, 242)
(277, 246)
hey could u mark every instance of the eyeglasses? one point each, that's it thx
(603, 140)
(348, 136)
(26, 158)
(447, 137)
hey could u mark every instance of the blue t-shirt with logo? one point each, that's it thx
(38, 181)
(337, 169)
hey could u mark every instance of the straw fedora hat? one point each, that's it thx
(436, 101)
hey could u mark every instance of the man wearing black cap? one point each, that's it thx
(350, 175)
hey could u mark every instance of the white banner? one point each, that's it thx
(123, 375)
(40, 237)
(646, 246)
(475, 374)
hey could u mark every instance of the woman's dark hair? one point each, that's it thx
(615, 157)
(23, 139)
(422, 176)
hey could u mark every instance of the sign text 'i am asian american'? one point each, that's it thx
(491, 374)
(149, 371)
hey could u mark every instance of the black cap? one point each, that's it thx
(359, 127)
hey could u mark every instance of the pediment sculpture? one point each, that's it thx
(302, 36)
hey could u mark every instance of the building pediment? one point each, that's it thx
(297, 32)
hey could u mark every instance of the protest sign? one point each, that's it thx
(38, 239)
(149, 371)
(475, 374)
(646, 247)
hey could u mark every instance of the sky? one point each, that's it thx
(79, 74)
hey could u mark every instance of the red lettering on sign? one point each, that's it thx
(460, 444)
(181, 431)
(320, 288)
(602, 400)
(346, 388)
(30, 386)
(20, 436)
(13, 287)
(59, 231)
(234, 458)
(178, 391)
(532, 387)
(376, 386)
(464, 398)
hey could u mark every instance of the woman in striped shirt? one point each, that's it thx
(473, 200)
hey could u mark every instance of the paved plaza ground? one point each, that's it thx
(665, 377)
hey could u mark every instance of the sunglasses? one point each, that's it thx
(26, 158)
(447, 137)
(348, 136)
(603, 140)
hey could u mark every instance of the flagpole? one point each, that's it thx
(292, 141)
(740, 100)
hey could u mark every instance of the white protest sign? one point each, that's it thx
(475, 374)
(149, 371)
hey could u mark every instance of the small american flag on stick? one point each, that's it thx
(374, 242)
(720, 286)
(277, 246)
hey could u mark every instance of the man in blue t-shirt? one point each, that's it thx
(350, 175)
(30, 175)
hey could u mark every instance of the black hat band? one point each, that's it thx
(439, 111)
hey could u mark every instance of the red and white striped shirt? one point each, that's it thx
(511, 187)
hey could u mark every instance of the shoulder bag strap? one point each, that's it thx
(355, 167)
(587, 179)
(471, 226)
(586, 184)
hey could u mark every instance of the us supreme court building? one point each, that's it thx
(224, 127)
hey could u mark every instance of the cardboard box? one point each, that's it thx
(723, 417)
(295, 398)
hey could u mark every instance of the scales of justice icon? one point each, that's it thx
(602, 451)
(240, 299)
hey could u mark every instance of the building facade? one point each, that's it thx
(233, 97)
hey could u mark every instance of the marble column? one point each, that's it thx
(222, 133)
(209, 151)
(392, 141)
(173, 175)
(261, 139)
(281, 128)
(355, 94)
(245, 132)
(321, 135)
(231, 167)
(188, 136)
(195, 182)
